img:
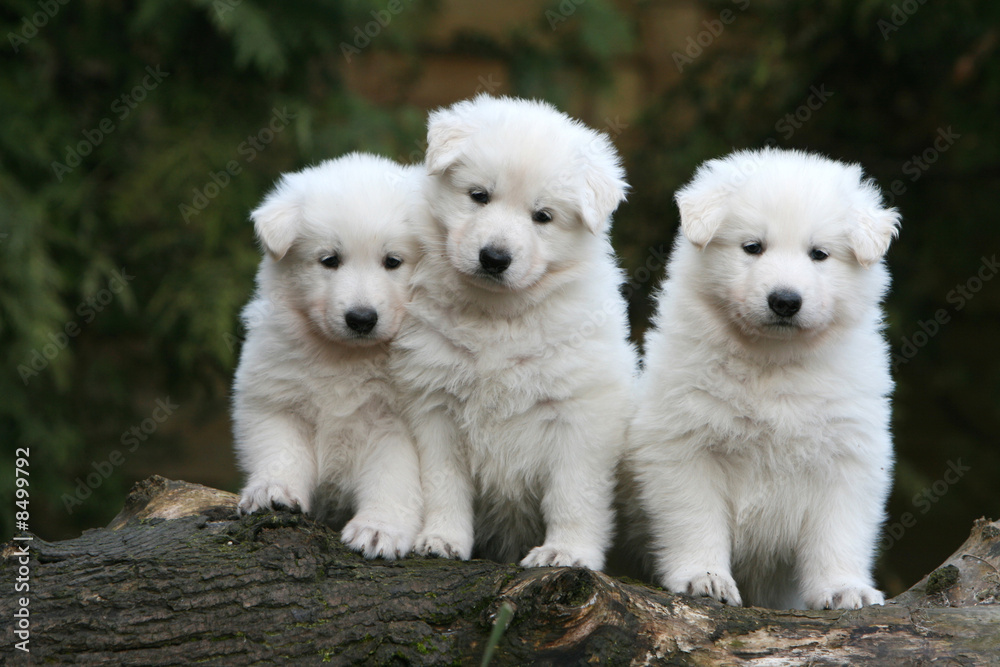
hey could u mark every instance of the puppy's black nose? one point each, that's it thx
(494, 260)
(361, 320)
(784, 303)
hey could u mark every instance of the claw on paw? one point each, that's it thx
(271, 495)
(717, 585)
(376, 539)
(546, 556)
(443, 547)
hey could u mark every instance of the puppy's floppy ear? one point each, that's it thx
(702, 203)
(874, 225)
(276, 220)
(447, 132)
(604, 185)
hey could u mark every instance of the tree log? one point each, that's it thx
(177, 577)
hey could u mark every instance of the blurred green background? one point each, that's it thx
(136, 136)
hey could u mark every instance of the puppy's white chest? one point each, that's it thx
(755, 411)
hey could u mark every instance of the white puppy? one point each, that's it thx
(515, 355)
(761, 437)
(317, 421)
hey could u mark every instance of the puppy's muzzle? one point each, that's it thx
(784, 303)
(494, 260)
(361, 320)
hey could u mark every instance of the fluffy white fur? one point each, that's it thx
(761, 443)
(317, 420)
(518, 382)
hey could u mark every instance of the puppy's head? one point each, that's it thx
(790, 243)
(340, 241)
(520, 191)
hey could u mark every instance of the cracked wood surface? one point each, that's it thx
(178, 578)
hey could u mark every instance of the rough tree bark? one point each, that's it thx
(178, 578)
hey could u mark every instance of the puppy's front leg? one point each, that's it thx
(838, 541)
(447, 486)
(690, 526)
(576, 503)
(275, 452)
(388, 498)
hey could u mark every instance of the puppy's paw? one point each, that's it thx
(718, 585)
(377, 539)
(271, 494)
(435, 543)
(845, 597)
(557, 556)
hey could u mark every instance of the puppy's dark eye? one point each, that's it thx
(541, 216)
(818, 255)
(330, 261)
(753, 248)
(480, 196)
(391, 262)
